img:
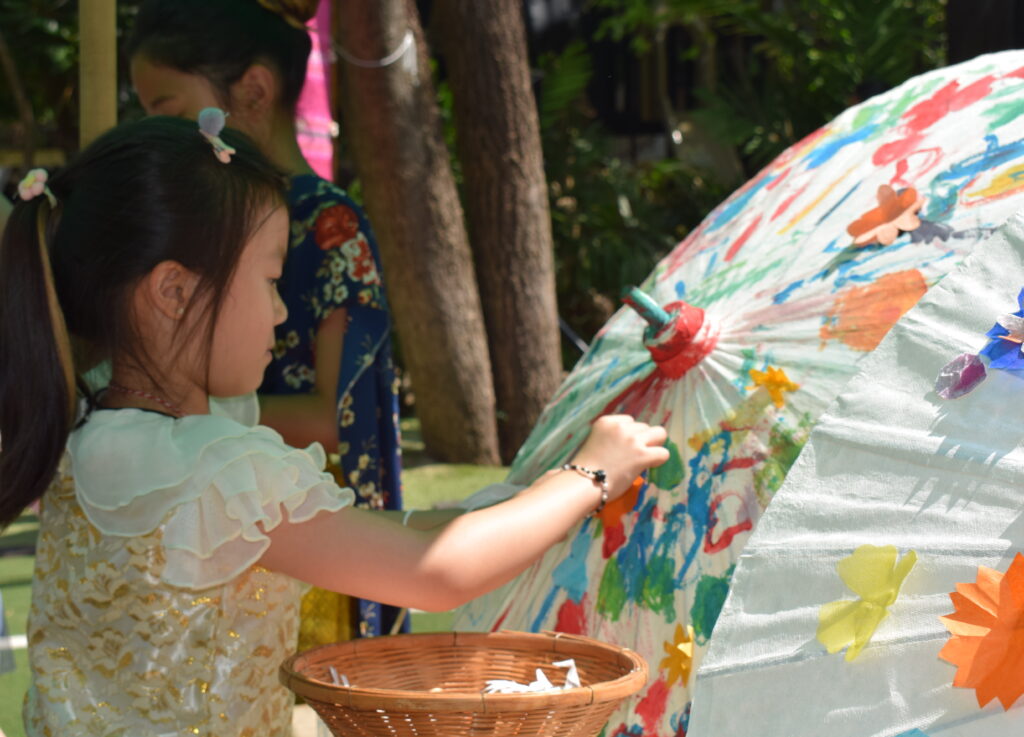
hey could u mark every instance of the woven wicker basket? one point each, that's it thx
(430, 685)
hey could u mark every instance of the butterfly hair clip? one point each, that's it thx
(211, 123)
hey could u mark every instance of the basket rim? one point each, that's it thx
(558, 643)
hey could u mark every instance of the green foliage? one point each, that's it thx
(42, 36)
(779, 69)
(611, 219)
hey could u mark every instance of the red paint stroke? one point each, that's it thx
(732, 463)
(789, 201)
(501, 619)
(896, 150)
(1018, 73)
(946, 100)
(651, 707)
(932, 157)
(614, 538)
(725, 539)
(684, 250)
(778, 180)
(572, 618)
(744, 237)
(808, 139)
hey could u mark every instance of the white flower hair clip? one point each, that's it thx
(211, 123)
(34, 184)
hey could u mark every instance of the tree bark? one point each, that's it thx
(506, 201)
(392, 122)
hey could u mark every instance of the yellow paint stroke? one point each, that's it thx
(817, 200)
(1004, 184)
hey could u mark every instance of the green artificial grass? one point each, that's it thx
(16, 587)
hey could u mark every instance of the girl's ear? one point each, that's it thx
(169, 288)
(256, 93)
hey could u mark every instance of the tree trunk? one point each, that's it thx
(392, 122)
(506, 200)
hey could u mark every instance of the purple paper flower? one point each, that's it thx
(1004, 350)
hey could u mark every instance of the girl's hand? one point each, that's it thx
(623, 448)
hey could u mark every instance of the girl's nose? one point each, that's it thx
(280, 311)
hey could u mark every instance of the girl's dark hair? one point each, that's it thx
(220, 39)
(143, 193)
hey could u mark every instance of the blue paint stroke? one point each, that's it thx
(826, 151)
(734, 207)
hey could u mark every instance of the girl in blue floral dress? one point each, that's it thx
(332, 379)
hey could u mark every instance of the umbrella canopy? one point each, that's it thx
(770, 303)
(883, 591)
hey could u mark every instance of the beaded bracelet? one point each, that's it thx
(598, 476)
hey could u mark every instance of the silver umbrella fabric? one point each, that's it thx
(936, 484)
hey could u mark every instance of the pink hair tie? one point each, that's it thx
(34, 184)
(211, 123)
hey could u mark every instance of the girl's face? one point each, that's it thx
(243, 336)
(163, 90)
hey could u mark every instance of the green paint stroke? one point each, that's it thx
(1004, 113)
(658, 593)
(785, 447)
(707, 604)
(671, 473)
(611, 594)
(728, 281)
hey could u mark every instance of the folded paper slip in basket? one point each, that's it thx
(432, 684)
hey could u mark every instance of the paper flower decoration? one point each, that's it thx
(895, 212)
(678, 660)
(987, 636)
(1004, 348)
(211, 123)
(1003, 351)
(873, 574)
(775, 381)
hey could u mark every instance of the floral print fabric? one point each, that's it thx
(332, 263)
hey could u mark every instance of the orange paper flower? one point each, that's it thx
(895, 212)
(987, 628)
(774, 381)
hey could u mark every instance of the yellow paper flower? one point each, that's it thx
(679, 656)
(872, 573)
(775, 381)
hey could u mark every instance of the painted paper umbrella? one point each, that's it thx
(760, 318)
(883, 591)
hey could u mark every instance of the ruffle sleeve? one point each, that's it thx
(213, 486)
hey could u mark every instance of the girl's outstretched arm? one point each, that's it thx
(363, 554)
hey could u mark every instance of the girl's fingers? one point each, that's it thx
(655, 435)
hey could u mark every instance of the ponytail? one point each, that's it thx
(140, 194)
(37, 384)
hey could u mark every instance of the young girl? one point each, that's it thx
(331, 379)
(173, 541)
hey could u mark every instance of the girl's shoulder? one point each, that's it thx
(209, 481)
(308, 193)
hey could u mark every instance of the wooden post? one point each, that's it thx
(97, 69)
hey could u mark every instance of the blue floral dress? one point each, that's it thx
(333, 262)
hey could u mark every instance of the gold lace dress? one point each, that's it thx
(149, 616)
